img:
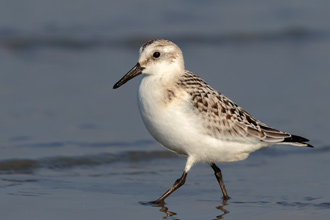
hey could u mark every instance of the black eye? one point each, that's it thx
(156, 54)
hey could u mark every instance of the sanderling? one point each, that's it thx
(185, 115)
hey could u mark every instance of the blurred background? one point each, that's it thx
(67, 137)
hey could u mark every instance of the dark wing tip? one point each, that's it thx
(311, 146)
(298, 139)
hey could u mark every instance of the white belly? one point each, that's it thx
(176, 127)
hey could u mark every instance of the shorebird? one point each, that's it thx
(185, 115)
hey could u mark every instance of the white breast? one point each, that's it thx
(162, 117)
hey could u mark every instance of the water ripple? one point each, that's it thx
(13, 166)
(20, 41)
(323, 205)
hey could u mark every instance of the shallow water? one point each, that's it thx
(272, 183)
(73, 148)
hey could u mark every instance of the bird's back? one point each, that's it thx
(225, 120)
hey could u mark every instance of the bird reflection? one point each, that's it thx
(168, 213)
(221, 208)
(171, 214)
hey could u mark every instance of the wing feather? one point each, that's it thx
(225, 120)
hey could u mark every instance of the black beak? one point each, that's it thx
(135, 71)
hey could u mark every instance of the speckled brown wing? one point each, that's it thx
(222, 118)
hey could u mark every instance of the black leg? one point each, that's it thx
(218, 175)
(176, 185)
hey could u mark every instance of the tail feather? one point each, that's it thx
(297, 140)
